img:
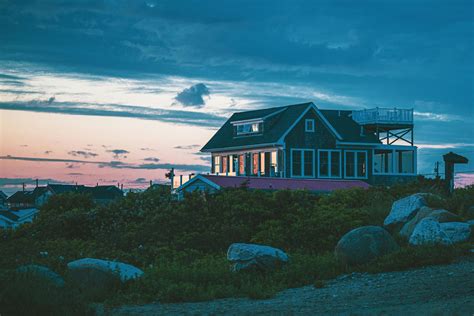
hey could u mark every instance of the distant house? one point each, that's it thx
(3, 199)
(304, 142)
(21, 200)
(101, 194)
(213, 183)
(13, 219)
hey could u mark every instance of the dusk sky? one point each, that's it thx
(115, 91)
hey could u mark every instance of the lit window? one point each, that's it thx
(217, 164)
(309, 125)
(250, 128)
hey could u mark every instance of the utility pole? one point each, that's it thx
(436, 170)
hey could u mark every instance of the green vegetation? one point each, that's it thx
(181, 245)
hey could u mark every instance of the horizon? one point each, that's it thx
(121, 91)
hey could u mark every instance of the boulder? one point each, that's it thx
(408, 228)
(252, 256)
(41, 273)
(441, 216)
(404, 210)
(429, 232)
(96, 277)
(457, 231)
(363, 244)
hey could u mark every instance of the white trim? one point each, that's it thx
(339, 143)
(356, 175)
(302, 150)
(393, 149)
(249, 121)
(198, 177)
(306, 129)
(329, 176)
(246, 147)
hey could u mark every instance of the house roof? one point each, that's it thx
(65, 188)
(103, 192)
(263, 183)
(3, 195)
(455, 158)
(349, 129)
(22, 197)
(281, 119)
(9, 215)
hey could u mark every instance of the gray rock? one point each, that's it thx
(441, 216)
(252, 256)
(408, 228)
(404, 210)
(457, 231)
(429, 232)
(96, 277)
(42, 274)
(363, 244)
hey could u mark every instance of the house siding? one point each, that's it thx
(298, 138)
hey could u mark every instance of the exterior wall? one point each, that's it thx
(321, 138)
(391, 179)
(198, 185)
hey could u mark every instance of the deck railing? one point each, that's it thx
(383, 116)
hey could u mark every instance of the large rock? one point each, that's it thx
(429, 232)
(41, 273)
(409, 227)
(404, 210)
(363, 244)
(441, 216)
(457, 231)
(252, 256)
(96, 277)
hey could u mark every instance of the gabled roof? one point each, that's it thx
(263, 183)
(281, 120)
(3, 195)
(103, 192)
(9, 215)
(22, 197)
(349, 129)
(64, 188)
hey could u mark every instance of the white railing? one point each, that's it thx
(383, 116)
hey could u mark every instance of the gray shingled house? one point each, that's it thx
(302, 141)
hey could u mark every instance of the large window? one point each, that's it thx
(394, 161)
(302, 163)
(241, 164)
(224, 164)
(356, 164)
(329, 163)
(255, 163)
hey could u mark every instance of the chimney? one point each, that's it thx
(36, 182)
(151, 183)
(23, 186)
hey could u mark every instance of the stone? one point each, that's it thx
(408, 228)
(457, 232)
(42, 274)
(429, 232)
(253, 256)
(95, 277)
(364, 244)
(441, 216)
(404, 210)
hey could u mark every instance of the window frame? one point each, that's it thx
(302, 151)
(393, 150)
(356, 175)
(306, 129)
(330, 151)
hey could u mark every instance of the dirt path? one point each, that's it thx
(437, 290)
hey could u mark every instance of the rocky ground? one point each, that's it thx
(436, 290)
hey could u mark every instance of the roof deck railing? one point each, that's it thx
(383, 116)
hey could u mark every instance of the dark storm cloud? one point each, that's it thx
(116, 110)
(193, 96)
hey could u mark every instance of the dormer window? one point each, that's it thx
(309, 125)
(248, 128)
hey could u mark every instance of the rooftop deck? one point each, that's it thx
(384, 116)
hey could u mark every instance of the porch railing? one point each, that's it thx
(383, 116)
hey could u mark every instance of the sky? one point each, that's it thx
(119, 91)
